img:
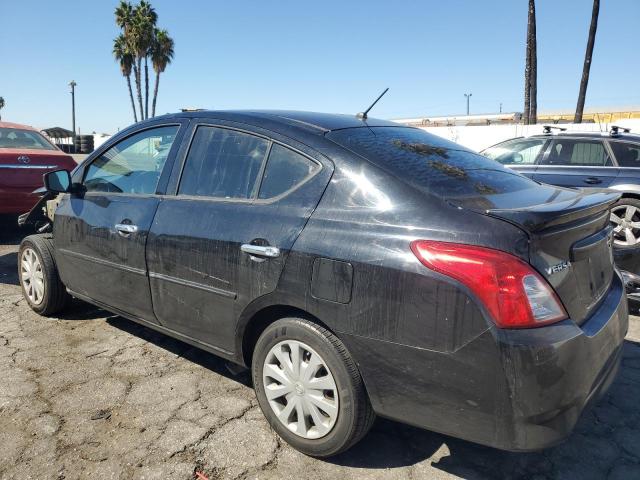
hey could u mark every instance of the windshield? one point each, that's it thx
(430, 163)
(17, 138)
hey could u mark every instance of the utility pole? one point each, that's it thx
(468, 95)
(500, 107)
(73, 84)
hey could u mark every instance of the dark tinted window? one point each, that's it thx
(627, 154)
(585, 153)
(285, 169)
(222, 163)
(523, 151)
(431, 163)
(132, 165)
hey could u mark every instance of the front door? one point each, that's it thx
(223, 240)
(101, 232)
(575, 162)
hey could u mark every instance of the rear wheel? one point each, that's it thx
(309, 388)
(625, 217)
(41, 285)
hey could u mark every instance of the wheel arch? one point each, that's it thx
(627, 191)
(255, 322)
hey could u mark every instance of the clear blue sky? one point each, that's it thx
(327, 55)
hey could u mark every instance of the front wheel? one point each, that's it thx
(41, 285)
(309, 388)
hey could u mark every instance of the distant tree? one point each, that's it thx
(161, 56)
(582, 95)
(2, 104)
(145, 21)
(123, 55)
(138, 44)
(531, 69)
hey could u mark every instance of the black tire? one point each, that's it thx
(355, 414)
(55, 296)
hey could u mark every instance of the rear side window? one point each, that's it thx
(584, 153)
(430, 163)
(627, 154)
(285, 169)
(516, 152)
(223, 163)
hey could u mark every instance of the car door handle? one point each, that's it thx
(260, 251)
(592, 180)
(125, 229)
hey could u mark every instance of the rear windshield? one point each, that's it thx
(17, 138)
(430, 163)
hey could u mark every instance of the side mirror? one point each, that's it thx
(58, 181)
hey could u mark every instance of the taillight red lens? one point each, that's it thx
(515, 295)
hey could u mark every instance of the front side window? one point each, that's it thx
(285, 169)
(223, 163)
(18, 138)
(584, 153)
(134, 164)
(627, 154)
(516, 152)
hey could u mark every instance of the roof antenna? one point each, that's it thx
(363, 115)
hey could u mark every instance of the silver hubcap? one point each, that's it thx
(300, 389)
(626, 225)
(31, 276)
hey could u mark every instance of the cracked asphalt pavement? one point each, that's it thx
(92, 395)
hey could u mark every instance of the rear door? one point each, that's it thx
(576, 162)
(520, 154)
(101, 234)
(627, 156)
(222, 241)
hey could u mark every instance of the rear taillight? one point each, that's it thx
(515, 295)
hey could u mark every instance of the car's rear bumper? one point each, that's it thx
(511, 389)
(17, 200)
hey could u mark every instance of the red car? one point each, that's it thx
(25, 155)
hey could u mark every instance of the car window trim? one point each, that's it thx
(167, 165)
(254, 198)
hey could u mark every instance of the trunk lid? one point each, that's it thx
(23, 168)
(570, 239)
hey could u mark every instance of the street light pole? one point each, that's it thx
(73, 84)
(468, 95)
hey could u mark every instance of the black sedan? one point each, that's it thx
(358, 267)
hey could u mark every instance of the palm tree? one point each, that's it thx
(123, 55)
(161, 56)
(125, 19)
(587, 61)
(124, 15)
(1, 105)
(531, 69)
(145, 19)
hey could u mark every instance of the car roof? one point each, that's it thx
(619, 136)
(16, 126)
(314, 122)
